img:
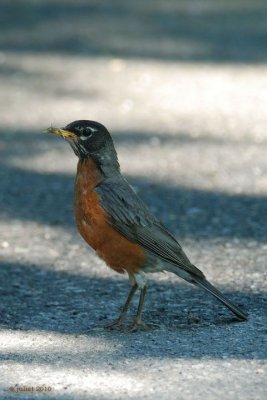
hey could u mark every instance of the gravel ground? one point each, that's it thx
(183, 89)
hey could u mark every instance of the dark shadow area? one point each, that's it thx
(185, 30)
(47, 197)
(34, 298)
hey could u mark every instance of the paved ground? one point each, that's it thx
(183, 89)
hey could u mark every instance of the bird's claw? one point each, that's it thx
(116, 324)
(134, 327)
(139, 325)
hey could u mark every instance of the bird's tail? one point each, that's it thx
(203, 283)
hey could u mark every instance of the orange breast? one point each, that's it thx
(92, 222)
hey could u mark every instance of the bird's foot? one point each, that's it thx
(116, 324)
(138, 324)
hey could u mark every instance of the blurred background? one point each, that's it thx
(182, 87)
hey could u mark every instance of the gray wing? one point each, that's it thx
(131, 217)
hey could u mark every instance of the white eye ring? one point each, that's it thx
(86, 137)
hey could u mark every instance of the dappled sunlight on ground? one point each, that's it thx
(182, 86)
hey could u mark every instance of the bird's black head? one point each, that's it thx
(89, 139)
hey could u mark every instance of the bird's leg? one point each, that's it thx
(138, 323)
(121, 318)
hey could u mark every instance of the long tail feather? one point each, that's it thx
(202, 282)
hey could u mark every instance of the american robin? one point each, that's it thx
(116, 223)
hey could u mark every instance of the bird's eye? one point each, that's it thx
(86, 133)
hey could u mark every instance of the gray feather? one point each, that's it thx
(131, 217)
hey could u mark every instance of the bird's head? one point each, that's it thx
(89, 140)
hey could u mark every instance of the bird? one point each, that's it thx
(118, 225)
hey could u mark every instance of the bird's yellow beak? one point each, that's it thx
(62, 132)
